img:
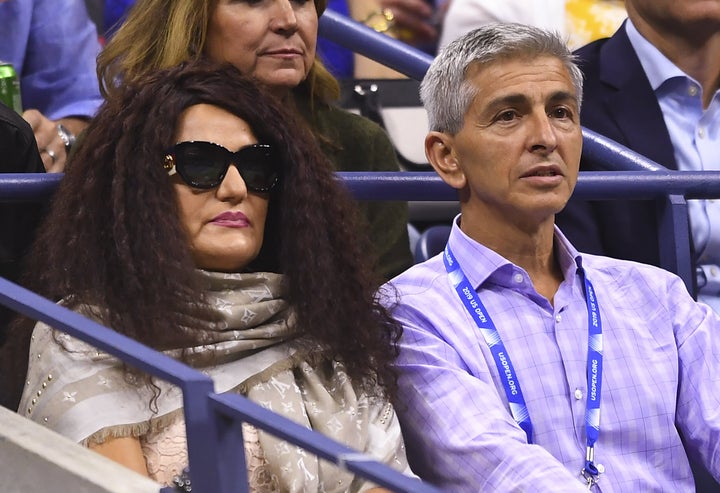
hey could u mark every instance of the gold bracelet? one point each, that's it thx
(381, 21)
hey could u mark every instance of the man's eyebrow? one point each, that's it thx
(562, 96)
(519, 99)
(507, 100)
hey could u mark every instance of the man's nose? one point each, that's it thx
(543, 133)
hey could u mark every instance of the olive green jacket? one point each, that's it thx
(358, 144)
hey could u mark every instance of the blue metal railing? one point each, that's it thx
(427, 185)
(28, 187)
(669, 188)
(591, 185)
(365, 41)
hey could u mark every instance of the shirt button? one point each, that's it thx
(518, 278)
(693, 91)
(558, 318)
(600, 468)
(701, 132)
(578, 394)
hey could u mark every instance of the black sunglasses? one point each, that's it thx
(204, 164)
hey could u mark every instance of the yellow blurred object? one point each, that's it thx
(588, 20)
(382, 20)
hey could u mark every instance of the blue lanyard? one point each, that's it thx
(511, 383)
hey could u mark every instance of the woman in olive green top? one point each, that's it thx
(274, 41)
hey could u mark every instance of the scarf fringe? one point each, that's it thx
(135, 430)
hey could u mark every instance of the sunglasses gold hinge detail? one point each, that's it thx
(169, 164)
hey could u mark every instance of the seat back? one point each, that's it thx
(431, 242)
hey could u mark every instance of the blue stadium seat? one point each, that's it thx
(431, 242)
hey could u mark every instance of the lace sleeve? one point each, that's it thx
(165, 454)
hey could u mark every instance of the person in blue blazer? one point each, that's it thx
(653, 87)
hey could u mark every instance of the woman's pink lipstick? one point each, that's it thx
(231, 220)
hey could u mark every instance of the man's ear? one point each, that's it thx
(439, 151)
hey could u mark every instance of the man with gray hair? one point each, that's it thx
(525, 365)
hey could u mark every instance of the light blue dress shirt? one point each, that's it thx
(661, 373)
(53, 45)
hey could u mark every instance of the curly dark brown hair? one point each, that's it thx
(113, 237)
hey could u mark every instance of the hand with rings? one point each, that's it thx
(415, 20)
(50, 145)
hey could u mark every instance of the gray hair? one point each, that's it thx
(447, 94)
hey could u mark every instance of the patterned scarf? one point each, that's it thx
(81, 392)
(86, 395)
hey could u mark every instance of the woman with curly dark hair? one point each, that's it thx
(199, 218)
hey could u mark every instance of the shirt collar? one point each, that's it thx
(657, 66)
(481, 264)
(569, 258)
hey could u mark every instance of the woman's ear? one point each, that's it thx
(439, 151)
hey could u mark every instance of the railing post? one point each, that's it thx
(231, 452)
(673, 234)
(204, 452)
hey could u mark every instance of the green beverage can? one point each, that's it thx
(10, 87)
